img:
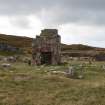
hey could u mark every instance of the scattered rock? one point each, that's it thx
(80, 77)
(6, 65)
(58, 72)
(70, 72)
(73, 73)
(103, 67)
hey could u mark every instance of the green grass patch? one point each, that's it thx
(35, 85)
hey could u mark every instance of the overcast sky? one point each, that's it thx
(78, 21)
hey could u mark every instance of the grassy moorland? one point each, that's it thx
(17, 41)
(31, 85)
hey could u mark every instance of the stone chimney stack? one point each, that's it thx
(47, 47)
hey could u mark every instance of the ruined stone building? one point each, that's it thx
(46, 47)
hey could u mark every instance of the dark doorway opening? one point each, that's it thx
(46, 58)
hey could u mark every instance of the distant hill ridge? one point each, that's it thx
(26, 42)
(16, 41)
(76, 47)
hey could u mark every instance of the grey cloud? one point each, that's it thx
(20, 22)
(57, 11)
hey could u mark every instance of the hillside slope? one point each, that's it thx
(25, 43)
(77, 47)
(17, 41)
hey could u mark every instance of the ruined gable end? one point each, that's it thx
(46, 47)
